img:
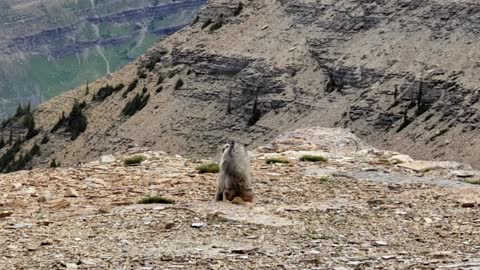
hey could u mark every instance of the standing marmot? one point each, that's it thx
(234, 179)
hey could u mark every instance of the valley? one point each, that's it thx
(49, 47)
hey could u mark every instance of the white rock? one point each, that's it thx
(397, 159)
(45, 197)
(71, 192)
(425, 166)
(71, 266)
(380, 243)
(199, 225)
(107, 159)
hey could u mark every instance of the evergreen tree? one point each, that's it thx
(29, 123)
(45, 139)
(18, 141)
(2, 142)
(20, 111)
(10, 137)
(35, 151)
(76, 121)
(54, 164)
(87, 90)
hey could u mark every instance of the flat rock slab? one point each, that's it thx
(394, 178)
(425, 166)
(245, 214)
(332, 140)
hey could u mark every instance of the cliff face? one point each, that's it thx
(400, 74)
(48, 47)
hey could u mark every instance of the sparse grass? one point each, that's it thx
(312, 158)
(384, 161)
(134, 160)
(276, 160)
(473, 181)
(208, 168)
(216, 26)
(155, 199)
(324, 179)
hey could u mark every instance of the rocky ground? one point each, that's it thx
(363, 209)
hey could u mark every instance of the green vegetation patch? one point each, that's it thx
(130, 88)
(134, 160)
(155, 199)
(136, 104)
(208, 168)
(107, 91)
(324, 179)
(276, 160)
(313, 158)
(473, 181)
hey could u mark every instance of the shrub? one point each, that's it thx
(87, 89)
(2, 142)
(29, 123)
(10, 137)
(142, 75)
(323, 179)
(276, 160)
(134, 160)
(136, 104)
(160, 79)
(206, 23)
(156, 199)
(20, 111)
(256, 113)
(179, 83)
(152, 62)
(76, 121)
(130, 88)
(159, 89)
(473, 181)
(238, 10)
(45, 139)
(107, 91)
(9, 157)
(35, 151)
(54, 164)
(312, 158)
(216, 26)
(208, 168)
(60, 123)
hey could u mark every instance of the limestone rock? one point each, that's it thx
(107, 159)
(45, 197)
(425, 166)
(58, 204)
(4, 214)
(400, 159)
(71, 192)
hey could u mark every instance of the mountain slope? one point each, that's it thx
(398, 74)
